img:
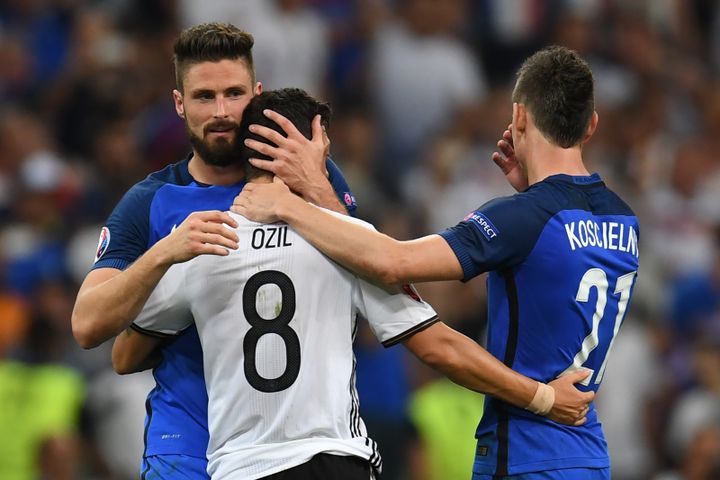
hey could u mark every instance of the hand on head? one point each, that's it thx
(508, 162)
(298, 161)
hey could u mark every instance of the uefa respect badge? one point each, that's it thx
(482, 223)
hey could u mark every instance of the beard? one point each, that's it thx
(222, 152)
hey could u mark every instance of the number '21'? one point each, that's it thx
(597, 278)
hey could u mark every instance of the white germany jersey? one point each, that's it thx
(276, 320)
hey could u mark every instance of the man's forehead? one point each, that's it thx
(218, 75)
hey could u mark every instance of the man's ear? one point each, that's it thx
(592, 126)
(258, 88)
(519, 118)
(178, 101)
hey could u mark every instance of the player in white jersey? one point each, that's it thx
(276, 320)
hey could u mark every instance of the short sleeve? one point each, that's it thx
(341, 187)
(394, 313)
(124, 237)
(167, 311)
(498, 235)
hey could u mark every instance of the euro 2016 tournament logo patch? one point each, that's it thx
(349, 199)
(483, 224)
(103, 243)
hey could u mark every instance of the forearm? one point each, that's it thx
(104, 310)
(323, 195)
(367, 252)
(134, 352)
(466, 363)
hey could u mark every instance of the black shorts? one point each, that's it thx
(327, 467)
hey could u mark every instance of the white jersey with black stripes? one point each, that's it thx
(276, 319)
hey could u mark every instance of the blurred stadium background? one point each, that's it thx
(420, 90)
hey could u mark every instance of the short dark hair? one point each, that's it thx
(294, 104)
(556, 85)
(211, 42)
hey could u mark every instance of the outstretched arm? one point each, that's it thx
(466, 363)
(370, 253)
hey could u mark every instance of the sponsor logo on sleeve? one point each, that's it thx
(482, 223)
(103, 243)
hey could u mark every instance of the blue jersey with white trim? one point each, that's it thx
(176, 421)
(563, 258)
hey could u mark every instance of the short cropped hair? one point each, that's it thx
(211, 42)
(556, 85)
(294, 104)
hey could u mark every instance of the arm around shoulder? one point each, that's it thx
(371, 253)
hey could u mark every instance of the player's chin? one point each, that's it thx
(220, 138)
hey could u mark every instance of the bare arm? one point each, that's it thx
(110, 299)
(466, 363)
(134, 352)
(299, 162)
(368, 252)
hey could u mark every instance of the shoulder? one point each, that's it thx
(616, 204)
(142, 193)
(526, 212)
(350, 219)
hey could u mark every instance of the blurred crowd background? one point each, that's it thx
(421, 93)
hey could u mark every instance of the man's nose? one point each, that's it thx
(220, 110)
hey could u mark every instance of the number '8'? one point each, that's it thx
(278, 325)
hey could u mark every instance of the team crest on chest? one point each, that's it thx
(103, 243)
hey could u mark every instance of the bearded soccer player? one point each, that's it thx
(176, 214)
(562, 256)
(276, 321)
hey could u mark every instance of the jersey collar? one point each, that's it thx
(577, 179)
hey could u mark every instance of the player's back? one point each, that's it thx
(276, 321)
(564, 258)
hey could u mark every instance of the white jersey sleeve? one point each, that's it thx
(394, 313)
(167, 310)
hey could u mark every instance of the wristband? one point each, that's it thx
(543, 400)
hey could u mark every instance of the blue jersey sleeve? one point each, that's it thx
(498, 235)
(341, 187)
(124, 237)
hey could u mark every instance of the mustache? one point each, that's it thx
(220, 125)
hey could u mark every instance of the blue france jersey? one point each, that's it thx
(176, 421)
(563, 258)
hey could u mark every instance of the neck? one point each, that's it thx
(262, 178)
(545, 159)
(214, 175)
